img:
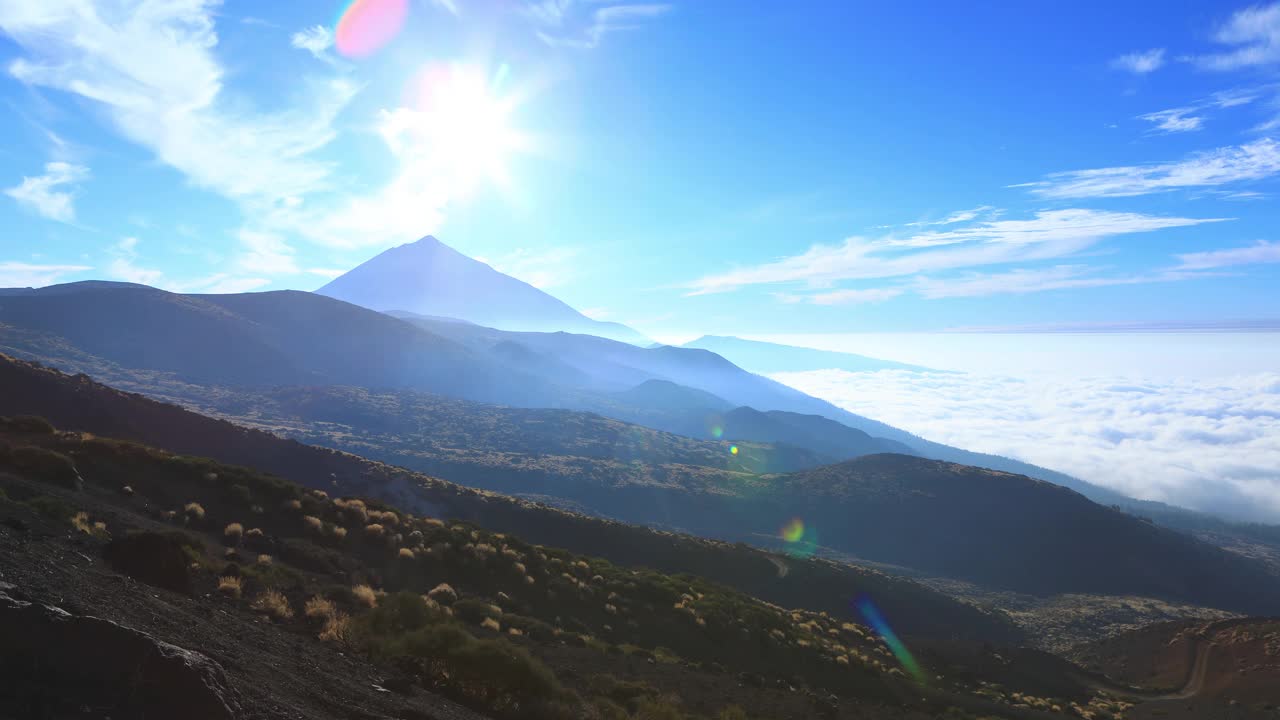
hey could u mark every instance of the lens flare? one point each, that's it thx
(367, 25)
(793, 531)
(872, 615)
(717, 431)
(733, 449)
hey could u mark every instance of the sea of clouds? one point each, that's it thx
(1210, 444)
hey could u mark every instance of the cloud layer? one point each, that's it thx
(1209, 444)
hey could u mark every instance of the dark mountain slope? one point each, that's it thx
(1009, 530)
(79, 403)
(428, 277)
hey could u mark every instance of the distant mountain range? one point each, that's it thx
(766, 357)
(427, 277)
(139, 336)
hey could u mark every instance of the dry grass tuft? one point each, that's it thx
(373, 530)
(230, 586)
(274, 604)
(264, 559)
(313, 523)
(319, 494)
(406, 554)
(253, 533)
(233, 532)
(491, 624)
(80, 521)
(318, 608)
(365, 595)
(339, 532)
(336, 628)
(294, 504)
(194, 511)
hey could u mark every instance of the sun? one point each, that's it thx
(458, 118)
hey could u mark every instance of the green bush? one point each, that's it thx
(473, 610)
(51, 507)
(45, 465)
(28, 424)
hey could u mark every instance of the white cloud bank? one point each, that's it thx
(1209, 444)
(53, 193)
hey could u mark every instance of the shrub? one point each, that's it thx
(264, 559)
(318, 608)
(405, 554)
(29, 424)
(230, 585)
(45, 465)
(51, 507)
(194, 511)
(294, 504)
(475, 611)
(337, 628)
(443, 594)
(80, 521)
(364, 595)
(274, 604)
(313, 523)
(373, 530)
(491, 624)
(339, 532)
(233, 532)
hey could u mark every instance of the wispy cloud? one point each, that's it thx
(124, 265)
(1140, 63)
(1252, 161)
(1254, 33)
(1258, 253)
(956, 217)
(21, 274)
(583, 24)
(1192, 117)
(1048, 235)
(52, 194)
(265, 253)
(316, 40)
(848, 296)
(151, 67)
(1023, 280)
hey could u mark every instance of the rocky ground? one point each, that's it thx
(132, 646)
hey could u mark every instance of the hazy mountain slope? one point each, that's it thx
(430, 278)
(284, 338)
(998, 529)
(257, 339)
(766, 357)
(75, 402)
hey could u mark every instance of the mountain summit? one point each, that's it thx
(428, 277)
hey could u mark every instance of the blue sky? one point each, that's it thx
(683, 167)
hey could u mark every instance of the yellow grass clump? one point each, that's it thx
(313, 523)
(318, 608)
(194, 510)
(233, 532)
(274, 604)
(230, 586)
(406, 554)
(264, 559)
(365, 595)
(336, 628)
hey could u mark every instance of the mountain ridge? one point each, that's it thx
(428, 277)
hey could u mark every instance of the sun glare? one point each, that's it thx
(458, 113)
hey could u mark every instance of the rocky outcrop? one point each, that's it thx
(54, 662)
